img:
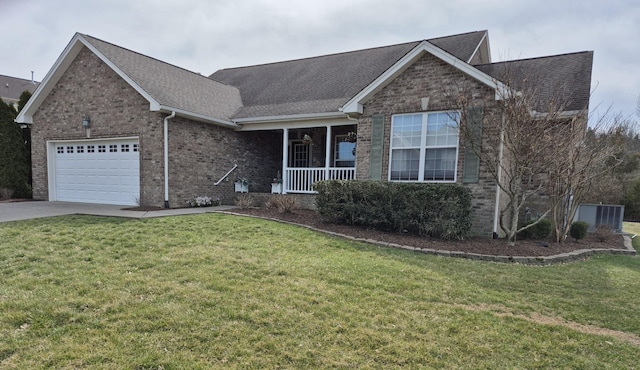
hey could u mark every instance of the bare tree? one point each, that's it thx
(583, 159)
(539, 155)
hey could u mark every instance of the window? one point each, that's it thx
(102, 149)
(345, 152)
(90, 149)
(69, 149)
(113, 148)
(424, 147)
(80, 149)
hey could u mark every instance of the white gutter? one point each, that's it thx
(291, 117)
(195, 116)
(166, 158)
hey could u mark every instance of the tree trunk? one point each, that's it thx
(513, 227)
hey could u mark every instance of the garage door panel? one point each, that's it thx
(98, 171)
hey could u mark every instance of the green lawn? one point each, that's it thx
(633, 228)
(218, 291)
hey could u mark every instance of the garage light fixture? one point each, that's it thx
(86, 122)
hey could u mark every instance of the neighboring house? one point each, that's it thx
(12, 87)
(110, 125)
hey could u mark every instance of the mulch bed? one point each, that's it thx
(486, 246)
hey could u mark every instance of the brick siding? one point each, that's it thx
(429, 77)
(199, 154)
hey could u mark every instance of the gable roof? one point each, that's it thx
(325, 83)
(323, 86)
(564, 78)
(12, 87)
(166, 87)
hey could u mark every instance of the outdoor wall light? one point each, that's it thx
(86, 122)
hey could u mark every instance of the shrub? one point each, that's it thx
(540, 230)
(244, 201)
(438, 210)
(6, 193)
(578, 230)
(604, 232)
(203, 201)
(282, 203)
(14, 154)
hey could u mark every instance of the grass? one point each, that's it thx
(633, 228)
(218, 291)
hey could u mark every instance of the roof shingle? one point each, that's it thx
(12, 87)
(565, 78)
(325, 83)
(172, 86)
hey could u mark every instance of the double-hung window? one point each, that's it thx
(424, 147)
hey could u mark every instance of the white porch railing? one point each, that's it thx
(300, 180)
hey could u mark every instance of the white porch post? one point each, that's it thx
(327, 154)
(285, 159)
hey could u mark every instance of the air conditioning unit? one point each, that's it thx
(601, 214)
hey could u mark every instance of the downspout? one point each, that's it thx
(496, 212)
(166, 158)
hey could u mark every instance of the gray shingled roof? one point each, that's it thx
(172, 86)
(325, 83)
(565, 77)
(460, 46)
(12, 87)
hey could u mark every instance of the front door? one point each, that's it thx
(299, 154)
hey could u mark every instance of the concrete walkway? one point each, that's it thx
(15, 211)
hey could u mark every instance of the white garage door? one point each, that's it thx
(97, 171)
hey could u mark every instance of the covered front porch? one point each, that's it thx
(314, 154)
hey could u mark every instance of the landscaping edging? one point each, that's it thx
(576, 255)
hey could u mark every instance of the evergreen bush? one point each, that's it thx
(439, 210)
(578, 230)
(14, 164)
(540, 230)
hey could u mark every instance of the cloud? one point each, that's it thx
(204, 36)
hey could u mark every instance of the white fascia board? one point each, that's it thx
(355, 104)
(484, 37)
(50, 79)
(60, 66)
(278, 120)
(197, 117)
(561, 115)
(154, 105)
(320, 120)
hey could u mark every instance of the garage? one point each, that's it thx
(95, 171)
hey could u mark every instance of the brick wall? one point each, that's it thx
(199, 154)
(89, 87)
(430, 77)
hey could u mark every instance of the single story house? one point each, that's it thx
(110, 125)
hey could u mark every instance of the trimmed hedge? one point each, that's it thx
(439, 210)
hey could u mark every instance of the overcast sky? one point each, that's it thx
(207, 35)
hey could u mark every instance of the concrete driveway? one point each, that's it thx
(15, 211)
